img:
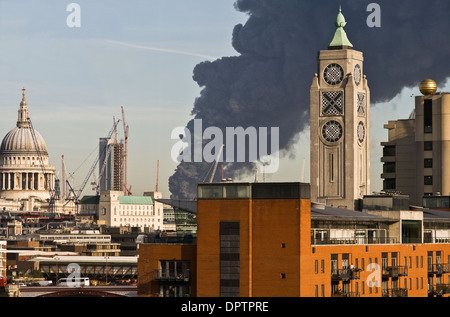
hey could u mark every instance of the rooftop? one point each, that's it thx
(136, 200)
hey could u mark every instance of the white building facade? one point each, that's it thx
(116, 209)
(2, 258)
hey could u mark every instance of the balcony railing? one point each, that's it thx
(345, 274)
(395, 271)
(364, 240)
(346, 294)
(395, 292)
(164, 276)
(439, 289)
(439, 268)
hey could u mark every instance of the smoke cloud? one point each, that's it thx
(267, 84)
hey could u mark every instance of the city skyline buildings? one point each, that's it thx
(77, 79)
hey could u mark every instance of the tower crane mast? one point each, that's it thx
(125, 131)
(91, 170)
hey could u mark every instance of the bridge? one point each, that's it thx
(84, 291)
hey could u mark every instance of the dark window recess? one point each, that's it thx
(411, 231)
(389, 183)
(428, 163)
(229, 259)
(428, 180)
(428, 116)
(389, 150)
(389, 167)
(428, 146)
(280, 191)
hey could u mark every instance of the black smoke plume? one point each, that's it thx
(267, 84)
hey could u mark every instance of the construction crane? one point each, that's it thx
(105, 162)
(215, 165)
(157, 177)
(125, 131)
(51, 188)
(78, 193)
(63, 183)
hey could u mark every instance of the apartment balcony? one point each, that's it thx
(394, 271)
(346, 294)
(439, 290)
(439, 268)
(395, 292)
(345, 275)
(359, 241)
(172, 277)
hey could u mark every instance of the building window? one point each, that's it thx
(389, 183)
(428, 146)
(389, 167)
(229, 259)
(389, 150)
(428, 163)
(428, 180)
(428, 116)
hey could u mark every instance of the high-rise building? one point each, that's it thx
(111, 164)
(340, 117)
(417, 152)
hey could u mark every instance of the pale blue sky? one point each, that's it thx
(77, 79)
(139, 54)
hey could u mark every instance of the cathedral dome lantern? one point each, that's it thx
(20, 139)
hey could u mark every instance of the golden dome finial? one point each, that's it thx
(428, 87)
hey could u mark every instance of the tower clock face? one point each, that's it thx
(333, 74)
(332, 131)
(357, 74)
(361, 132)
